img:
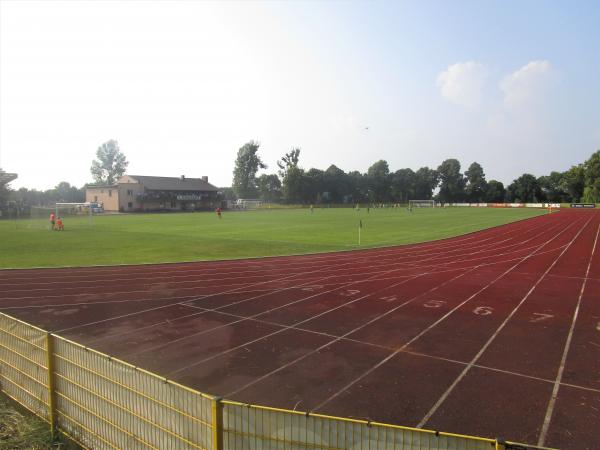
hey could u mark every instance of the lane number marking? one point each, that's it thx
(316, 287)
(389, 298)
(434, 303)
(540, 317)
(483, 310)
(349, 292)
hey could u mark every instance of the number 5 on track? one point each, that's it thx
(483, 310)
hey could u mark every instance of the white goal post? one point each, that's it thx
(62, 209)
(421, 204)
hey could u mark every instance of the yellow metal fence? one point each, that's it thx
(104, 403)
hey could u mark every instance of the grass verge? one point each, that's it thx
(20, 429)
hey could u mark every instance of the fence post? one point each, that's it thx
(51, 389)
(217, 423)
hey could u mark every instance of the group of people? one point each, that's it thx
(56, 223)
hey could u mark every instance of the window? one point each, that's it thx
(102, 191)
(110, 192)
(130, 192)
(129, 205)
(95, 199)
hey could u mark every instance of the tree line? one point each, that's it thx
(109, 165)
(379, 184)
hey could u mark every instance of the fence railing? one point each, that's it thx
(105, 403)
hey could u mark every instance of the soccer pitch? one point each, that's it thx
(153, 238)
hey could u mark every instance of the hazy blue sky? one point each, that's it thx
(181, 86)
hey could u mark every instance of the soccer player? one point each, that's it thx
(219, 212)
(59, 225)
(52, 220)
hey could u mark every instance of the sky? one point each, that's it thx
(513, 85)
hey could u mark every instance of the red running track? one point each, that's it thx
(494, 333)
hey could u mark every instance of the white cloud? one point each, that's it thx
(462, 83)
(527, 84)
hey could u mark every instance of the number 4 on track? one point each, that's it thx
(434, 303)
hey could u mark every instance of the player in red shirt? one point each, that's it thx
(52, 221)
(218, 212)
(59, 225)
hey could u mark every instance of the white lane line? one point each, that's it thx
(219, 293)
(217, 265)
(559, 375)
(387, 347)
(263, 294)
(234, 291)
(437, 322)
(231, 291)
(393, 253)
(379, 317)
(415, 264)
(306, 298)
(448, 391)
(303, 299)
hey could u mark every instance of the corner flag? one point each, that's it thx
(359, 228)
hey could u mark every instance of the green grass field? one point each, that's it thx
(148, 238)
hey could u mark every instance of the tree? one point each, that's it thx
(315, 185)
(591, 170)
(288, 160)
(227, 193)
(403, 185)
(247, 164)
(426, 180)
(379, 180)
(495, 192)
(335, 183)
(64, 192)
(110, 163)
(269, 187)
(573, 182)
(525, 189)
(452, 187)
(476, 184)
(552, 187)
(4, 194)
(294, 184)
(357, 188)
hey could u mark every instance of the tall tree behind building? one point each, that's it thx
(110, 164)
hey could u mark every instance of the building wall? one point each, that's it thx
(126, 179)
(124, 197)
(107, 196)
(128, 196)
